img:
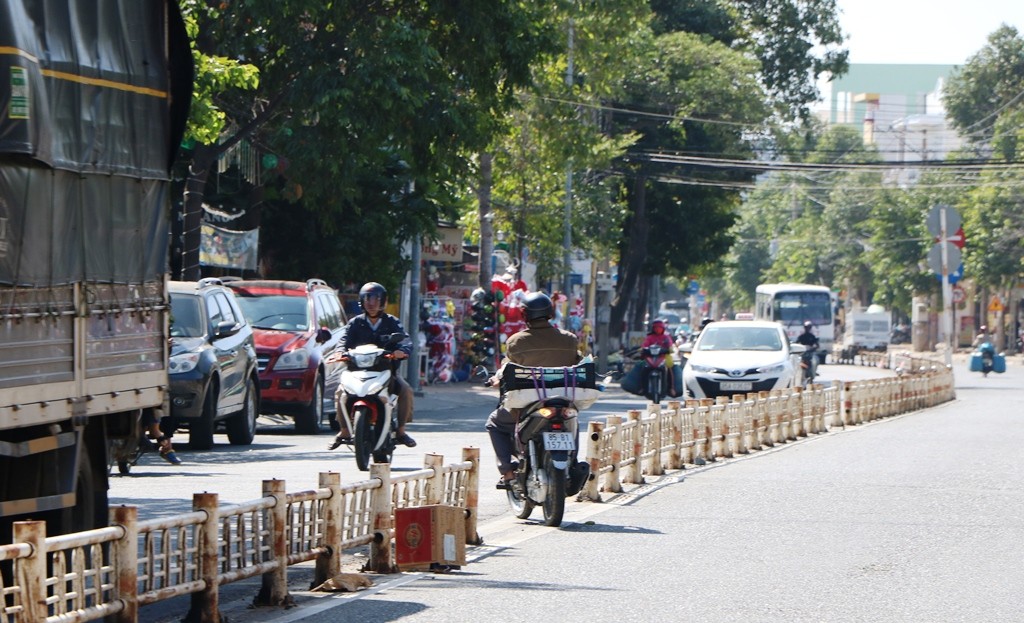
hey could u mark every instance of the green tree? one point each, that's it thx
(363, 103)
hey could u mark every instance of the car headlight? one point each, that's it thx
(779, 367)
(294, 360)
(699, 368)
(185, 362)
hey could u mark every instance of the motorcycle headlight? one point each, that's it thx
(295, 360)
(699, 368)
(363, 360)
(773, 369)
(185, 362)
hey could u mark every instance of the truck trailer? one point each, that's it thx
(94, 97)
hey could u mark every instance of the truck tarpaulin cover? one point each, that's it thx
(90, 116)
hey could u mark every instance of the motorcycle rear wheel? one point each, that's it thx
(363, 438)
(554, 498)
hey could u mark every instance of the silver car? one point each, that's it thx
(738, 357)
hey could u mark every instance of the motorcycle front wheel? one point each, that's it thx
(554, 498)
(363, 439)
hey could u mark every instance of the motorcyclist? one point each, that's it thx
(807, 338)
(982, 336)
(539, 344)
(374, 326)
(658, 337)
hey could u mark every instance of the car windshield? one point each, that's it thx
(274, 311)
(718, 338)
(186, 319)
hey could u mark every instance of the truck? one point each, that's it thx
(94, 98)
(867, 329)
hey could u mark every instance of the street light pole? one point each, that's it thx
(567, 240)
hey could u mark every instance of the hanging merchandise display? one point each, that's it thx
(438, 325)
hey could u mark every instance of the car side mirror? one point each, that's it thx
(686, 348)
(796, 349)
(226, 328)
(323, 335)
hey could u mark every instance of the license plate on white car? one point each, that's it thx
(736, 386)
(559, 441)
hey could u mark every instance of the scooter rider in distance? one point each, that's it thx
(374, 326)
(539, 345)
(808, 339)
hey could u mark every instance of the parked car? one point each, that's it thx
(296, 325)
(739, 356)
(212, 366)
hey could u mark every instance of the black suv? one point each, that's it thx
(296, 326)
(212, 367)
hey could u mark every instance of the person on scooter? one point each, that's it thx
(374, 326)
(982, 336)
(807, 338)
(658, 337)
(540, 344)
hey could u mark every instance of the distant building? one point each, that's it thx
(898, 108)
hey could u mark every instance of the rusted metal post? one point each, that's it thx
(635, 473)
(380, 512)
(274, 588)
(675, 451)
(332, 515)
(591, 490)
(205, 606)
(435, 485)
(472, 455)
(126, 557)
(613, 482)
(655, 467)
(31, 571)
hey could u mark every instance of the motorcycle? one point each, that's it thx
(809, 364)
(985, 359)
(365, 400)
(899, 335)
(655, 373)
(546, 435)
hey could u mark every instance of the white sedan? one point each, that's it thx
(738, 357)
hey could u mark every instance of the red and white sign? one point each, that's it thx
(958, 239)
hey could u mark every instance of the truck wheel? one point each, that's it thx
(200, 432)
(307, 421)
(242, 425)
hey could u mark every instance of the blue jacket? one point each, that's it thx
(358, 331)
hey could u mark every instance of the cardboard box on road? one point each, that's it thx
(429, 535)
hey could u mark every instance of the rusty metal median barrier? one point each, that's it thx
(621, 450)
(113, 571)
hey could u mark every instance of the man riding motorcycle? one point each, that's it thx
(374, 326)
(539, 345)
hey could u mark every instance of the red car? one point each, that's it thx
(296, 326)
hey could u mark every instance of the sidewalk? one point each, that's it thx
(444, 396)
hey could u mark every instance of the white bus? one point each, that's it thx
(792, 304)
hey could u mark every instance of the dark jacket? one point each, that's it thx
(541, 344)
(808, 339)
(358, 331)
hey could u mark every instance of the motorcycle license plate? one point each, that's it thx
(736, 386)
(559, 441)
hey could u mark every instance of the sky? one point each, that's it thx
(944, 32)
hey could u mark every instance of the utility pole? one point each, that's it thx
(567, 240)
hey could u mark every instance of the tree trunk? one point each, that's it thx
(633, 255)
(195, 192)
(483, 195)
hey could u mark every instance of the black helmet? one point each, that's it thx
(538, 306)
(808, 325)
(373, 289)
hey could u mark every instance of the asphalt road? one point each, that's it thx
(912, 518)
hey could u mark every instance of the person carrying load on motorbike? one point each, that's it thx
(374, 326)
(658, 337)
(540, 344)
(982, 337)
